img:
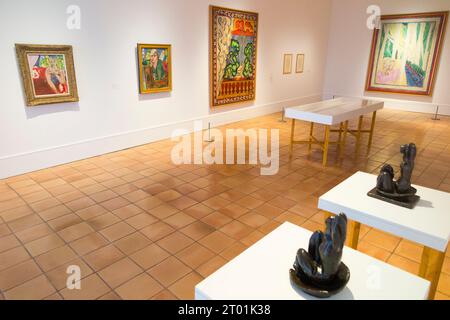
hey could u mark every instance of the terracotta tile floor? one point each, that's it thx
(140, 227)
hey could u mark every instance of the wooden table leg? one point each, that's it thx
(430, 268)
(372, 127)
(358, 134)
(291, 147)
(344, 139)
(325, 145)
(341, 128)
(353, 234)
(311, 131)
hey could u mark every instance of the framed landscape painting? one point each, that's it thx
(233, 52)
(405, 53)
(155, 68)
(48, 73)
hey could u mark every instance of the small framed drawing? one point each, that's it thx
(155, 68)
(287, 63)
(299, 63)
(48, 73)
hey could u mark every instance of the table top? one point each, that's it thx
(262, 272)
(428, 223)
(335, 111)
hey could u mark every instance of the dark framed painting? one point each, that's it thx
(233, 55)
(405, 53)
(48, 73)
(155, 68)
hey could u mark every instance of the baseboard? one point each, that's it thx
(403, 105)
(17, 164)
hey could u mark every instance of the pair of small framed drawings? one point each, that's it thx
(288, 63)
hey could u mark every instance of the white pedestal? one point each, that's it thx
(262, 272)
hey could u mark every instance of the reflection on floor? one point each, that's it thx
(140, 227)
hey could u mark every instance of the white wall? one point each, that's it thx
(111, 115)
(349, 49)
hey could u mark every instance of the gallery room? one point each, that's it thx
(225, 150)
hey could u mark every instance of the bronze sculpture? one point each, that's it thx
(398, 192)
(319, 271)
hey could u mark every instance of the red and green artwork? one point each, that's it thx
(233, 56)
(49, 74)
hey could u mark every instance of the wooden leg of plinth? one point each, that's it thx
(291, 147)
(353, 234)
(344, 139)
(325, 145)
(311, 131)
(430, 268)
(341, 128)
(372, 127)
(358, 134)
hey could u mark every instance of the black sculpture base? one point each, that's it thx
(322, 290)
(408, 201)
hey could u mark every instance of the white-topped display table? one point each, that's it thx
(427, 224)
(333, 112)
(262, 272)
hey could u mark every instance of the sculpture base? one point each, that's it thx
(322, 291)
(406, 202)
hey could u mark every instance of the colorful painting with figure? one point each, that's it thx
(154, 68)
(233, 53)
(48, 73)
(405, 53)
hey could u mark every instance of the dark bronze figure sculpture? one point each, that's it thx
(319, 271)
(398, 192)
(406, 168)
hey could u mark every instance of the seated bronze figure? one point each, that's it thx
(319, 271)
(398, 192)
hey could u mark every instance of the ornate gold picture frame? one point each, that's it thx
(48, 73)
(155, 68)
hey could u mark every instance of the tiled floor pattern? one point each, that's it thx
(140, 227)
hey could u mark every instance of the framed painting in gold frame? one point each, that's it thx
(233, 56)
(405, 53)
(155, 68)
(48, 73)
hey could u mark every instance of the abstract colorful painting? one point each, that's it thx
(233, 54)
(405, 53)
(48, 73)
(155, 68)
